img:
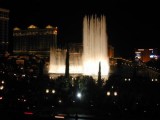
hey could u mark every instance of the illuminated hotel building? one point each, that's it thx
(4, 29)
(146, 55)
(34, 40)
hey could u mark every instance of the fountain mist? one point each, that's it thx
(95, 51)
(95, 46)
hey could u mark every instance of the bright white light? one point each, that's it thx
(115, 93)
(91, 67)
(108, 93)
(95, 51)
(23, 75)
(53, 91)
(57, 62)
(95, 46)
(60, 101)
(79, 95)
(2, 82)
(47, 90)
(151, 56)
(1, 87)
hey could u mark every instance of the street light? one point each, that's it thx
(47, 90)
(53, 91)
(115, 93)
(79, 95)
(108, 93)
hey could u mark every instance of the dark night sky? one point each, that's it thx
(130, 23)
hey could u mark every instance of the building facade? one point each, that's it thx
(4, 30)
(146, 55)
(34, 40)
(110, 51)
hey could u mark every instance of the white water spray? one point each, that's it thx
(95, 46)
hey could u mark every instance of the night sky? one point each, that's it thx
(130, 23)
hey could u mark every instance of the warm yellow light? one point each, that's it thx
(47, 90)
(16, 28)
(32, 26)
(49, 26)
(108, 93)
(1, 87)
(55, 32)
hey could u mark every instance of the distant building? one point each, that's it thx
(4, 30)
(34, 40)
(110, 51)
(146, 55)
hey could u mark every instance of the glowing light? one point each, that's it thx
(95, 47)
(49, 26)
(47, 90)
(55, 32)
(59, 116)
(1, 87)
(60, 101)
(32, 27)
(28, 113)
(16, 28)
(115, 93)
(108, 93)
(2, 82)
(57, 62)
(151, 56)
(1, 97)
(79, 95)
(53, 91)
(95, 51)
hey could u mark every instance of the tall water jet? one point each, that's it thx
(94, 55)
(95, 46)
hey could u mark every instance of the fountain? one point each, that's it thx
(58, 59)
(86, 61)
(95, 47)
